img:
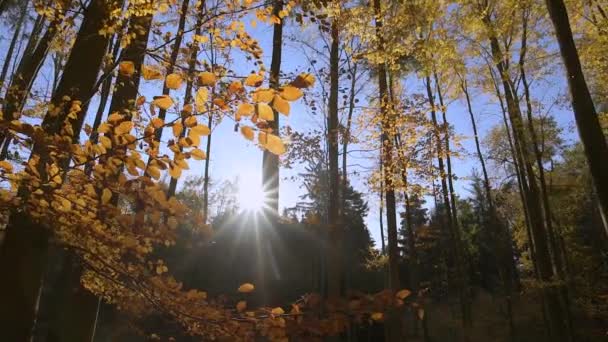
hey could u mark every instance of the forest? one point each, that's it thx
(303, 170)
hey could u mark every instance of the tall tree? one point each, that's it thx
(270, 161)
(334, 221)
(24, 251)
(394, 323)
(585, 114)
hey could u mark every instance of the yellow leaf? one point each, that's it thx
(265, 112)
(280, 105)
(274, 144)
(157, 123)
(246, 288)
(190, 121)
(290, 93)
(115, 117)
(263, 95)
(304, 81)
(235, 87)
(254, 80)
(126, 68)
(201, 130)
(194, 137)
(207, 79)
(104, 128)
(163, 102)
(175, 171)
(177, 129)
(420, 313)
(66, 204)
(277, 311)
(151, 73)
(163, 8)
(124, 127)
(202, 94)
(153, 171)
(247, 132)
(263, 138)
(241, 306)
(172, 222)
(198, 154)
(403, 294)
(245, 109)
(173, 81)
(377, 316)
(106, 196)
(5, 165)
(105, 142)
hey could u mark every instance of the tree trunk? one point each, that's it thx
(334, 221)
(452, 220)
(556, 317)
(21, 83)
(270, 161)
(588, 124)
(502, 241)
(11, 47)
(188, 96)
(556, 248)
(179, 36)
(394, 321)
(24, 251)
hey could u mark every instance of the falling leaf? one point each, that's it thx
(377, 316)
(241, 306)
(265, 112)
(246, 288)
(247, 132)
(280, 105)
(173, 81)
(126, 68)
(403, 294)
(277, 311)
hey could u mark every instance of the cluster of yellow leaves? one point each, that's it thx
(264, 103)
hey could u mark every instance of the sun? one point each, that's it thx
(251, 195)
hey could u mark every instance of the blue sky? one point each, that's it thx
(232, 156)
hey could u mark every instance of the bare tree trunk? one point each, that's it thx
(179, 36)
(556, 317)
(24, 251)
(558, 252)
(588, 124)
(453, 229)
(188, 100)
(394, 322)
(21, 83)
(270, 161)
(11, 47)
(334, 222)
(505, 261)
